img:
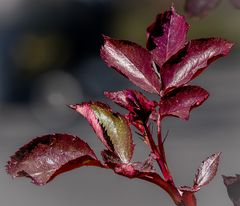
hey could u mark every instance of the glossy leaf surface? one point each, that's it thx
(111, 128)
(47, 156)
(132, 61)
(166, 36)
(200, 7)
(233, 188)
(181, 101)
(207, 171)
(192, 60)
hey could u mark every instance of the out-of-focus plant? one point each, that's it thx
(165, 68)
(201, 7)
(233, 188)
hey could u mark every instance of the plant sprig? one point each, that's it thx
(164, 68)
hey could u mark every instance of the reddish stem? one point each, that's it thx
(189, 199)
(165, 170)
(180, 199)
(167, 184)
(160, 157)
(150, 140)
(168, 187)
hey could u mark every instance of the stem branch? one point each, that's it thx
(165, 170)
(160, 155)
(168, 187)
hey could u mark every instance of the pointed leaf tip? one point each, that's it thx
(46, 157)
(111, 128)
(72, 106)
(166, 36)
(207, 171)
(192, 61)
(132, 61)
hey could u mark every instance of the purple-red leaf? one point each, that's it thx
(166, 36)
(112, 128)
(236, 3)
(45, 157)
(200, 7)
(233, 188)
(181, 101)
(207, 171)
(135, 102)
(132, 61)
(192, 60)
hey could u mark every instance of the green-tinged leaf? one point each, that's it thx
(112, 128)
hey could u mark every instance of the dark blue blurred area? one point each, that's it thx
(47, 36)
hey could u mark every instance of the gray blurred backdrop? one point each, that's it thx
(49, 57)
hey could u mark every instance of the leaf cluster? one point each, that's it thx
(165, 67)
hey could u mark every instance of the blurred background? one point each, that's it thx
(49, 57)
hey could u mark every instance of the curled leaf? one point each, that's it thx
(166, 36)
(181, 101)
(133, 61)
(112, 128)
(207, 171)
(188, 189)
(46, 157)
(233, 188)
(200, 7)
(114, 163)
(192, 60)
(131, 170)
(135, 102)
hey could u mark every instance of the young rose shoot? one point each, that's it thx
(165, 68)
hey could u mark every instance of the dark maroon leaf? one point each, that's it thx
(135, 102)
(233, 188)
(181, 101)
(207, 171)
(132, 61)
(236, 3)
(200, 7)
(166, 36)
(46, 157)
(112, 128)
(191, 61)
